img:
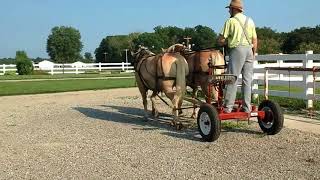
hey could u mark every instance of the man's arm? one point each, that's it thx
(255, 45)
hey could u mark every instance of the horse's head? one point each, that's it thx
(142, 53)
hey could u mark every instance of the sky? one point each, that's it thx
(26, 24)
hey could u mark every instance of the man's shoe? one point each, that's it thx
(227, 110)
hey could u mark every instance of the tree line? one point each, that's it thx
(64, 43)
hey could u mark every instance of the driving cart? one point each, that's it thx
(211, 113)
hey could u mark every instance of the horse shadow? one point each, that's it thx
(135, 116)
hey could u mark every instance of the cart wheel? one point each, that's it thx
(272, 123)
(209, 124)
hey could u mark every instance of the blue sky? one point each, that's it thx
(26, 24)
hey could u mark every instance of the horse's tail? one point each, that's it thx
(182, 72)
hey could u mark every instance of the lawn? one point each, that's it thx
(62, 76)
(53, 86)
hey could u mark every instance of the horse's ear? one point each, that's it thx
(132, 53)
(163, 50)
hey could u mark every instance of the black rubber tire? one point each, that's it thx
(215, 123)
(273, 116)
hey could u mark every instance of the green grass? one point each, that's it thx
(53, 86)
(292, 89)
(234, 125)
(61, 76)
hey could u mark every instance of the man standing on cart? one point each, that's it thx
(239, 34)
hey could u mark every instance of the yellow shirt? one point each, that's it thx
(232, 31)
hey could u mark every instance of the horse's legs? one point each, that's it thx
(155, 111)
(172, 95)
(179, 107)
(144, 93)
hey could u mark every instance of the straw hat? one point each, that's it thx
(237, 4)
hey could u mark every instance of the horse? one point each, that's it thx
(165, 72)
(198, 63)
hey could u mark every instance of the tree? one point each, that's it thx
(88, 57)
(304, 35)
(151, 40)
(23, 63)
(202, 37)
(112, 48)
(21, 56)
(64, 44)
(270, 41)
(170, 35)
(303, 47)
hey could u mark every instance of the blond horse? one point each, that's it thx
(198, 62)
(164, 72)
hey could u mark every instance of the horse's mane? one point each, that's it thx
(180, 48)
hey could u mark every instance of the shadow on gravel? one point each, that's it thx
(245, 131)
(130, 115)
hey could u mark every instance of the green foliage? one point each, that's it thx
(64, 44)
(21, 55)
(24, 67)
(10, 73)
(303, 47)
(169, 35)
(8, 61)
(23, 63)
(88, 56)
(151, 40)
(112, 48)
(300, 38)
(202, 37)
(270, 41)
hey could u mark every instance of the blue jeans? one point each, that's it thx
(240, 61)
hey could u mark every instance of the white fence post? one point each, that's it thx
(77, 72)
(255, 85)
(308, 80)
(99, 66)
(122, 66)
(4, 69)
(51, 72)
(280, 62)
(266, 84)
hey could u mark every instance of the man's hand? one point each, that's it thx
(221, 40)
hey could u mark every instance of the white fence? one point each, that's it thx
(290, 78)
(73, 69)
(275, 77)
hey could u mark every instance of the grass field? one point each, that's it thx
(62, 76)
(53, 86)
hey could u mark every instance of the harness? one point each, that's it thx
(244, 30)
(157, 75)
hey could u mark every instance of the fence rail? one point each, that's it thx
(72, 68)
(283, 77)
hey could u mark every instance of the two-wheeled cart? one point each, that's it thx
(211, 113)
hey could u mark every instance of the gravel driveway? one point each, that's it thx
(102, 135)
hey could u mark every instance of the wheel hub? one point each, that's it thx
(205, 125)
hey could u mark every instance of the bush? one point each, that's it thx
(24, 67)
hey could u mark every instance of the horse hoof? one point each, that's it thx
(146, 118)
(179, 126)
